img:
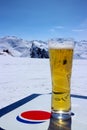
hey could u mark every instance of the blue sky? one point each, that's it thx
(43, 19)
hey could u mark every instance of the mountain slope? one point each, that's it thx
(18, 47)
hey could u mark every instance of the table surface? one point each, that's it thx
(42, 102)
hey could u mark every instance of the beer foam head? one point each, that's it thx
(67, 44)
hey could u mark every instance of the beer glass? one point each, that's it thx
(61, 56)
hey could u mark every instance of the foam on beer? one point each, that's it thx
(58, 45)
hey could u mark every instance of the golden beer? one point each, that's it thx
(61, 65)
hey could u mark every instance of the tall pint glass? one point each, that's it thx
(61, 56)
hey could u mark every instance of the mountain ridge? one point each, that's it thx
(18, 47)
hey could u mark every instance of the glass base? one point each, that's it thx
(61, 115)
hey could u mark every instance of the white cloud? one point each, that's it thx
(56, 28)
(59, 27)
(78, 30)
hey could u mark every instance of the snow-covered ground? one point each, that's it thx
(20, 77)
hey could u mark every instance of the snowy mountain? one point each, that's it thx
(17, 47)
(80, 50)
(22, 48)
